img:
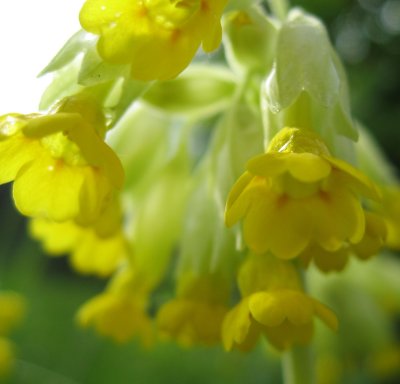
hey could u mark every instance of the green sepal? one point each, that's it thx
(200, 90)
(127, 91)
(159, 209)
(64, 83)
(303, 62)
(249, 40)
(77, 44)
(207, 246)
(94, 70)
(141, 140)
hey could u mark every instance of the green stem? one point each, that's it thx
(298, 366)
(279, 8)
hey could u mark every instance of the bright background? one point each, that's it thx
(31, 33)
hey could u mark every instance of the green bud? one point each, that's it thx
(307, 87)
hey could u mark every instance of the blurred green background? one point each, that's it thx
(53, 350)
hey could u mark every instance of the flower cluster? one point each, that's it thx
(237, 215)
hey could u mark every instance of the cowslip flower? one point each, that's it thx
(61, 167)
(158, 38)
(120, 312)
(297, 194)
(195, 316)
(273, 305)
(285, 317)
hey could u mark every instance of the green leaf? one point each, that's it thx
(78, 43)
(202, 90)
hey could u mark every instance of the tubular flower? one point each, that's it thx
(61, 167)
(297, 194)
(373, 240)
(157, 37)
(196, 315)
(273, 305)
(120, 312)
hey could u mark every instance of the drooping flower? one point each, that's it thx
(61, 167)
(285, 317)
(158, 38)
(195, 316)
(120, 312)
(273, 305)
(297, 194)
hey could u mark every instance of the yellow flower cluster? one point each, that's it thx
(297, 198)
(158, 38)
(66, 178)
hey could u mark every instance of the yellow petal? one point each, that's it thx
(356, 179)
(238, 201)
(236, 325)
(15, 152)
(57, 238)
(99, 256)
(49, 189)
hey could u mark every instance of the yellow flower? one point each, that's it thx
(297, 194)
(196, 315)
(373, 239)
(121, 311)
(273, 305)
(119, 316)
(157, 37)
(61, 167)
(285, 317)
